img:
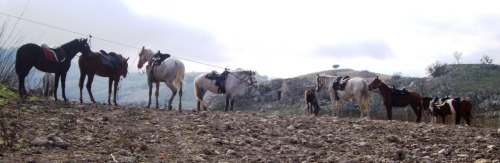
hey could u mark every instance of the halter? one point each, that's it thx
(245, 81)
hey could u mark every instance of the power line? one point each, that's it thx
(102, 39)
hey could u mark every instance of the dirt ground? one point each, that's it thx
(48, 131)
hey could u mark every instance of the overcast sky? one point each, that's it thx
(280, 39)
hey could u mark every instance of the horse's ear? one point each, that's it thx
(376, 77)
(127, 58)
(143, 47)
(317, 75)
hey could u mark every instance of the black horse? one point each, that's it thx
(29, 55)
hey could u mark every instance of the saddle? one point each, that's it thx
(110, 60)
(55, 53)
(397, 94)
(219, 80)
(156, 60)
(339, 84)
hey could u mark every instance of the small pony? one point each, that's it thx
(311, 101)
(49, 84)
(457, 107)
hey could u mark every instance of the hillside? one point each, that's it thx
(40, 130)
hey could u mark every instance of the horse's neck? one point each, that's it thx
(149, 54)
(69, 51)
(327, 80)
(384, 88)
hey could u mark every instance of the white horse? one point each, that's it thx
(232, 85)
(355, 88)
(171, 71)
(48, 81)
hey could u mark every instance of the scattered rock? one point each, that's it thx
(231, 152)
(393, 139)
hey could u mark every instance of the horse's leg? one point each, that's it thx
(56, 85)
(157, 93)
(80, 83)
(332, 99)
(116, 80)
(337, 108)
(232, 103)
(180, 98)
(174, 92)
(150, 84)
(63, 85)
(388, 108)
(227, 102)
(308, 112)
(89, 86)
(199, 93)
(457, 118)
(22, 91)
(417, 111)
(110, 84)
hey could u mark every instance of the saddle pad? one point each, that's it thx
(50, 54)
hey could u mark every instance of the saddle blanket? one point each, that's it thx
(50, 54)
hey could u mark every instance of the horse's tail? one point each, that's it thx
(365, 98)
(179, 75)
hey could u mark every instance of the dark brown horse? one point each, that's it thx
(413, 98)
(93, 65)
(458, 107)
(32, 55)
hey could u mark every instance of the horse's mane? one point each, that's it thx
(328, 76)
(147, 50)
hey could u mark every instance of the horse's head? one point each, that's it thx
(309, 90)
(252, 79)
(81, 45)
(125, 65)
(320, 82)
(143, 57)
(375, 84)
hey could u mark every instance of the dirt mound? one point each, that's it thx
(47, 131)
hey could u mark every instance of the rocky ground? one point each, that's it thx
(48, 131)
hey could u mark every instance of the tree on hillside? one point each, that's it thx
(437, 69)
(487, 62)
(336, 66)
(457, 56)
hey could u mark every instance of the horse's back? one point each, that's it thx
(170, 69)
